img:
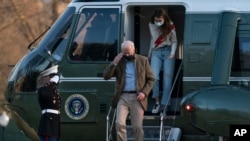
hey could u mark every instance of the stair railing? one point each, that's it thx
(108, 126)
(165, 107)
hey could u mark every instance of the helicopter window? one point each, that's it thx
(245, 52)
(52, 41)
(241, 55)
(96, 35)
(60, 45)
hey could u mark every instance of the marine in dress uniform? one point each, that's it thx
(49, 100)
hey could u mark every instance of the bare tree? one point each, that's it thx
(21, 22)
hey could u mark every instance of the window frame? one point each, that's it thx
(74, 36)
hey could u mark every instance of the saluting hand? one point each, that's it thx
(118, 58)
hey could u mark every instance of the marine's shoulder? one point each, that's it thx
(41, 88)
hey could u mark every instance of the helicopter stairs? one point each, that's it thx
(157, 133)
(151, 132)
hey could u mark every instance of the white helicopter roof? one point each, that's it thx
(199, 6)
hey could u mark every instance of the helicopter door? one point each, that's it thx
(95, 43)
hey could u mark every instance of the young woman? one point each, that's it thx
(162, 54)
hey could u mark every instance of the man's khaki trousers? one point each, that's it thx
(128, 103)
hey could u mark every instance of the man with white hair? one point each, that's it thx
(134, 81)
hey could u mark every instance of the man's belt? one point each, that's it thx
(50, 111)
(130, 92)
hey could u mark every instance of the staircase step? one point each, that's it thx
(153, 117)
(152, 133)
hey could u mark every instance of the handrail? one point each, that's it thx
(108, 126)
(171, 91)
(110, 131)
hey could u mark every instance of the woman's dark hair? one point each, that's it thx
(160, 12)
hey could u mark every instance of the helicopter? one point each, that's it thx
(211, 70)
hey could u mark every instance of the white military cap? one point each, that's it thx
(50, 70)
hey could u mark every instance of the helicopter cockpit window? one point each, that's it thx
(54, 43)
(60, 45)
(96, 35)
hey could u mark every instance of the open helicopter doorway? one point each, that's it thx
(138, 32)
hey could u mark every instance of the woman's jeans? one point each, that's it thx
(44, 138)
(159, 59)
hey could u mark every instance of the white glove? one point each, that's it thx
(4, 119)
(55, 79)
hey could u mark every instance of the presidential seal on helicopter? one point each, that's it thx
(76, 106)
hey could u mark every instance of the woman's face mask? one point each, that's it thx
(159, 21)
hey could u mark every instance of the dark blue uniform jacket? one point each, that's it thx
(49, 98)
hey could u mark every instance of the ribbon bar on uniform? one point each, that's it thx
(50, 111)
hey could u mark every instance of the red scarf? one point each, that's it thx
(160, 39)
